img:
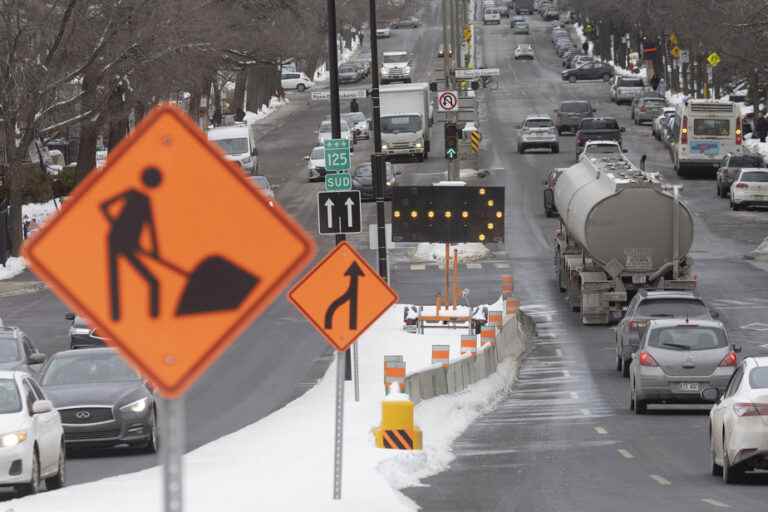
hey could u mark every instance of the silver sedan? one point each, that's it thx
(677, 360)
(524, 51)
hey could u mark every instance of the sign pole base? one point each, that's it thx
(338, 442)
(172, 442)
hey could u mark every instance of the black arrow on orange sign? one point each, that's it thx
(354, 272)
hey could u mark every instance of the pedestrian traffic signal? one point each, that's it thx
(448, 214)
(451, 141)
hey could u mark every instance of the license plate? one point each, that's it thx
(689, 386)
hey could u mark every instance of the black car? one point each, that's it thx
(18, 353)
(589, 71)
(412, 22)
(730, 167)
(362, 180)
(81, 335)
(597, 128)
(550, 210)
(101, 400)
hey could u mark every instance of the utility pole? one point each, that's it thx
(378, 161)
(450, 30)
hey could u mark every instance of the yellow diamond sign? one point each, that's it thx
(713, 59)
(675, 52)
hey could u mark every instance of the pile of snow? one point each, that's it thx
(346, 52)
(13, 267)
(275, 103)
(426, 251)
(261, 466)
(39, 212)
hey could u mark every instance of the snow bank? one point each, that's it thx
(426, 251)
(33, 215)
(13, 267)
(285, 461)
(346, 52)
(266, 110)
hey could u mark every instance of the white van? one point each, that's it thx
(239, 145)
(491, 14)
(703, 131)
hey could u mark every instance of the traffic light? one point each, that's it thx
(451, 141)
(448, 214)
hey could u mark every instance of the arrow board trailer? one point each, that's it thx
(406, 115)
(618, 234)
(339, 212)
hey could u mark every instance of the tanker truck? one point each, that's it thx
(621, 229)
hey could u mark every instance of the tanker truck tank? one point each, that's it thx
(618, 235)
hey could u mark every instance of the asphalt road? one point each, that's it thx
(563, 439)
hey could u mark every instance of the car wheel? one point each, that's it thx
(556, 148)
(606, 77)
(734, 206)
(301, 88)
(33, 487)
(641, 406)
(153, 445)
(630, 399)
(520, 149)
(619, 363)
(731, 474)
(625, 368)
(57, 481)
(717, 469)
(572, 79)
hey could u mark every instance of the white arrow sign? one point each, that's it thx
(329, 209)
(349, 203)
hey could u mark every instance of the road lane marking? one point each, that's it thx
(715, 503)
(574, 395)
(585, 412)
(601, 431)
(661, 480)
(418, 267)
(624, 453)
(558, 352)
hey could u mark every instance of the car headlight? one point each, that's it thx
(418, 145)
(407, 70)
(389, 183)
(82, 331)
(13, 438)
(137, 406)
(384, 147)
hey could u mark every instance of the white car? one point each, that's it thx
(31, 436)
(383, 32)
(290, 80)
(658, 123)
(524, 51)
(324, 133)
(316, 163)
(750, 188)
(738, 422)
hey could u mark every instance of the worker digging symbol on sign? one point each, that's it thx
(124, 239)
(216, 284)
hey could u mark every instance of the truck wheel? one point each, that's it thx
(427, 148)
(520, 149)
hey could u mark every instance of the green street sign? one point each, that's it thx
(337, 156)
(338, 182)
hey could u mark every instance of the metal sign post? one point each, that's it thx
(338, 438)
(172, 434)
(357, 372)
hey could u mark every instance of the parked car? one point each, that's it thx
(349, 73)
(383, 32)
(537, 131)
(648, 305)
(316, 163)
(550, 210)
(568, 57)
(101, 400)
(626, 88)
(597, 128)
(33, 438)
(578, 60)
(524, 51)
(325, 132)
(263, 184)
(738, 422)
(588, 71)
(647, 108)
(568, 115)
(731, 166)
(362, 180)
(363, 65)
(677, 359)
(750, 188)
(520, 27)
(551, 15)
(298, 81)
(410, 22)
(657, 128)
(81, 335)
(18, 353)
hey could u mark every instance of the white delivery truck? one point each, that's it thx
(405, 120)
(239, 145)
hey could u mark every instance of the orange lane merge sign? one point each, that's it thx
(169, 251)
(342, 296)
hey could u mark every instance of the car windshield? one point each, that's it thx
(347, 68)
(400, 124)
(631, 82)
(318, 153)
(394, 59)
(758, 378)
(539, 123)
(9, 350)
(576, 107)
(746, 161)
(712, 127)
(758, 177)
(599, 124)
(233, 146)
(654, 103)
(672, 308)
(10, 400)
(354, 117)
(88, 368)
(524, 47)
(687, 337)
(603, 148)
